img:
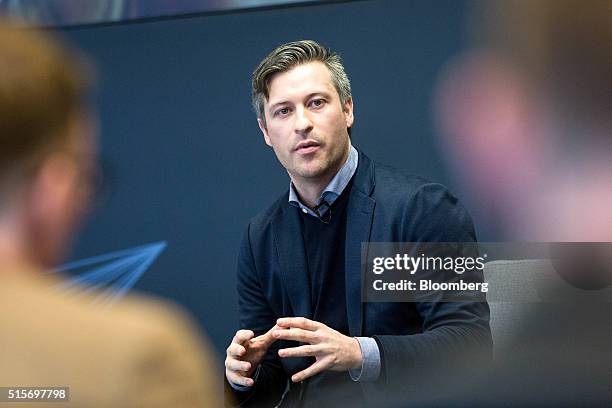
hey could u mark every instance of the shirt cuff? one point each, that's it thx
(370, 364)
(238, 387)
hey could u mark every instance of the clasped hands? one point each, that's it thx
(331, 349)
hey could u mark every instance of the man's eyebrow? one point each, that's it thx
(325, 94)
(271, 107)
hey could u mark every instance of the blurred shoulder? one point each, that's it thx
(146, 350)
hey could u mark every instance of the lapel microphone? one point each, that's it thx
(323, 208)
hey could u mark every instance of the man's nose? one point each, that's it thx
(303, 124)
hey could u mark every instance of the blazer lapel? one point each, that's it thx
(360, 212)
(292, 260)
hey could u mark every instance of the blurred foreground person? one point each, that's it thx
(526, 116)
(138, 352)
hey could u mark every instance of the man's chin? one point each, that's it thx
(311, 172)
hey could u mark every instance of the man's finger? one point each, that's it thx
(301, 351)
(316, 368)
(304, 336)
(239, 379)
(266, 339)
(236, 350)
(237, 365)
(243, 336)
(299, 322)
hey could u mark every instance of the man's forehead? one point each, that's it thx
(303, 79)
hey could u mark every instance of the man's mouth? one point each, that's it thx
(307, 146)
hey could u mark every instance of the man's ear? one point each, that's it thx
(483, 110)
(51, 208)
(348, 112)
(264, 130)
(53, 185)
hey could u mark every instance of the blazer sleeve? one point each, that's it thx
(257, 315)
(451, 331)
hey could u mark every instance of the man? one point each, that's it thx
(136, 353)
(526, 113)
(299, 267)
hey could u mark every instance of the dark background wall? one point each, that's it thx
(186, 161)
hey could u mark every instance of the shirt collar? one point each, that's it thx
(334, 188)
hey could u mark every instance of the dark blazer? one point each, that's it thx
(385, 205)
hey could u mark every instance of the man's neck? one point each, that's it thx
(310, 189)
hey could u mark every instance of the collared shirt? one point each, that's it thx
(333, 189)
(371, 364)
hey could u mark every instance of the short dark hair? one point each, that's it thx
(287, 56)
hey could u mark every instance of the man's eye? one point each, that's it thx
(317, 103)
(283, 111)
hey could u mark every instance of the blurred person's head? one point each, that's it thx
(46, 146)
(302, 98)
(526, 117)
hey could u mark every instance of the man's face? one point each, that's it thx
(306, 124)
